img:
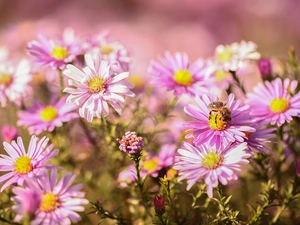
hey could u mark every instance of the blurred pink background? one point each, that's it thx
(148, 28)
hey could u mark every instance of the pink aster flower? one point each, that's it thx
(14, 82)
(59, 200)
(177, 74)
(28, 199)
(212, 127)
(110, 50)
(274, 102)
(259, 138)
(94, 87)
(165, 158)
(236, 55)
(21, 164)
(212, 164)
(9, 133)
(54, 53)
(42, 117)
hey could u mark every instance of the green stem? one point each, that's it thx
(26, 219)
(279, 212)
(280, 156)
(224, 210)
(137, 168)
(61, 82)
(241, 86)
(161, 219)
(87, 133)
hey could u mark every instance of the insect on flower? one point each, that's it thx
(219, 110)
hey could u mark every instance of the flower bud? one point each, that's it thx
(159, 204)
(131, 143)
(9, 133)
(265, 67)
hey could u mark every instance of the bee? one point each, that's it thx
(220, 108)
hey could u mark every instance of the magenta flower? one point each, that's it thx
(14, 82)
(178, 75)
(42, 117)
(274, 102)
(54, 53)
(236, 55)
(94, 87)
(265, 67)
(9, 133)
(212, 129)
(212, 164)
(59, 200)
(21, 164)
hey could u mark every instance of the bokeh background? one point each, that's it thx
(149, 27)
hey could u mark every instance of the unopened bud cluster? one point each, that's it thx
(131, 143)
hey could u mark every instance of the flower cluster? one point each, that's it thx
(189, 129)
(37, 194)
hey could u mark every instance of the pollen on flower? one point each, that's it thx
(183, 77)
(225, 55)
(59, 52)
(151, 164)
(215, 122)
(5, 79)
(96, 85)
(23, 165)
(49, 202)
(279, 105)
(106, 49)
(48, 114)
(212, 160)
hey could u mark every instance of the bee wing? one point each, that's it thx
(223, 96)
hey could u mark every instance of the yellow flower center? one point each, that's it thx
(279, 105)
(215, 122)
(151, 164)
(96, 85)
(212, 160)
(106, 49)
(49, 202)
(225, 55)
(171, 173)
(221, 75)
(23, 165)
(48, 114)
(183, 77)
(137, 80)
(5, 79)
(59, 52)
